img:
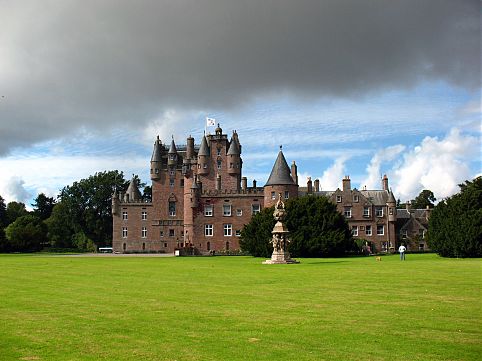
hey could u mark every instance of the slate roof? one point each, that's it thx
(204, 149)
(280, 174)
(156, 153)
(377, 197)
(133, 191)
(233, 147)
(172, 148)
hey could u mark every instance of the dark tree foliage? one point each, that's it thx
(316, 228)
(3, 213)
(455, 224)
(15, 210)
(61, 227)
(425, 199)
(88, 205)
(256, 235)
(147, 194)
(43, 206)
(27, 233)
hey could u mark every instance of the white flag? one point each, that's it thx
(210, 122)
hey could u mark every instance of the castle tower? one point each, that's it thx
(156, 160)
(115, 204)
(132, 194)
(203, 157)
(279, 181)
(172, 154)
(233, 161)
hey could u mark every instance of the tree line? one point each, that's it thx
(79, 218)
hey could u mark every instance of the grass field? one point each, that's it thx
(235, 308)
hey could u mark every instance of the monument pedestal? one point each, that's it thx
(280, 258)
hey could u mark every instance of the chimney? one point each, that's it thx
(346, 183)
(317, 185)
(294, 172)
(190, 148)
(385, 182)
(254, 183)
(244, 184)
(309, 185)
(408, 206)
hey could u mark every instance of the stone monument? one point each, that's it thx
(280, 238)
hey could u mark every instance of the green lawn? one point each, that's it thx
(235, 308)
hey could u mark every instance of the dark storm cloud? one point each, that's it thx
(66, 64)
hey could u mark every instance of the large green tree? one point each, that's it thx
(3, 213)
(27, 233)
(316, 228)
(15, 210)
(87, 204)
(61, 227)
(43, 206)
(425, 199)
(455, 224)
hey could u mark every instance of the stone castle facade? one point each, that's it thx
(201, 201)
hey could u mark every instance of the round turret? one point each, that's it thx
(156, 160)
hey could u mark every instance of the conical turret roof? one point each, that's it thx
(204, 149)
(156, 152)
(233, 147)
(172, 148)
(280, 174)
(133, 191)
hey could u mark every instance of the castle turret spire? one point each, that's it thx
(280, 174)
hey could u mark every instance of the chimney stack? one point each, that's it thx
(346, 183)
(317, 185)
(309, 185)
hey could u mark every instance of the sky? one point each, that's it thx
(347, 87)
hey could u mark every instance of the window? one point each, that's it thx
(347, 212)
(124, 232)
(124, 215)
(208, 246)
(171, 172)
(384, 246)
(404, 233)
(338, 199)
(165, 245)
(218, 150)
(239, 212)
(144, 232)
(354, 230)
(161, 233)
(379, 211)
(143, 246)
(124, 246)
(355, 198)
(171, 233)
(172, 208)
(208, 210)
(208, 230)
(227, 246)
(380, 229)
(144, 215)
(273, 195)
(255, 209)
(238, 233)
(226, 210)
(368, 230)
(287, 194)
(219, 164)
(228, 230)
(171, 183)
(390, 211)
(181, 183)
(366, 212)
(231, 165)
(205, 166)
(157, 171)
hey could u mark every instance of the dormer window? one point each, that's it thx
(338, 199)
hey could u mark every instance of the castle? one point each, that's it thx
(201, 201)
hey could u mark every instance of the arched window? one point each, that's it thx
(208, 246)
(227, 246)
(143, 246)
(124, 246)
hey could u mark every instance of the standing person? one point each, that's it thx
(402, 250)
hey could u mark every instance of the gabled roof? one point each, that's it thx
(376, 197)
(204, 149)
(156, 153)
(280, 174)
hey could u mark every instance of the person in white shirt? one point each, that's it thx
(402, 250)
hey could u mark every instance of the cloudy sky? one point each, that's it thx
(348, 87)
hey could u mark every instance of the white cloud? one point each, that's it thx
(374, 168)
(438, 165)
(332, 176)
(13, 189)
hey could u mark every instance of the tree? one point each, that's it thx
(256, 235)
(147, 194)
(60, 227)
(3, 213)
(425, 199)
(15, 210)
(27, 233)
(455, 224)
(316, 228)
(87, 204)
(43, 206)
